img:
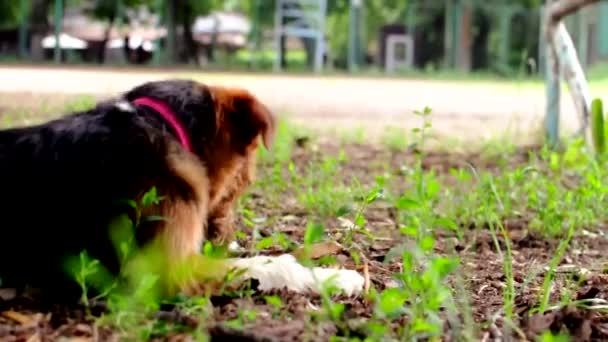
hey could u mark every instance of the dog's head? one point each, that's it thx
(225, 118)
(225, 124)
(241, 118)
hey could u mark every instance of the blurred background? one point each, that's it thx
(379, 55)
(394, 36)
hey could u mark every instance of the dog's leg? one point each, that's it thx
(284, 271)
(221, 225)
(177, 240)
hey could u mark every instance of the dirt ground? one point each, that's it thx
(27, 319)
(461, 110)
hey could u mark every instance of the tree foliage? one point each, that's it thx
(10, 13)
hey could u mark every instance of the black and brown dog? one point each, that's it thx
(60, 181)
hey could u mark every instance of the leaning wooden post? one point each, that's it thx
(552, 82)
(562, 59)
(574, 75)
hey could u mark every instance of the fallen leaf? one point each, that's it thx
(18, 317)
(367, 282)
(318, 250)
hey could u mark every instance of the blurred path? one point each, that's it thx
(460, 109)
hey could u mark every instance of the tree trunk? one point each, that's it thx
(101, 53)
(210, 51)
(171, 34)
(190, 46)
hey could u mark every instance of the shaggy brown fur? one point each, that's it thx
(60, 181)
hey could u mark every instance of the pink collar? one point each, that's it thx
(169, 116)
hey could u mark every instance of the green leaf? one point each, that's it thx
(265, 243)
(407, 203)
(432, 187)
(374, 195)
(314, 233)
(343, 210)
(274, 301)
(336, 311)
(153, 218)
(420, 326)
(409, 230)
(447, 223)
(150, 197)
(597, 126)
(444, 266)
(427, 243)
(360, 221)
(392, 302)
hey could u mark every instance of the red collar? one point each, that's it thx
(169, 116)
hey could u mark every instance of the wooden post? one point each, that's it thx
(562, 59)
(58, 29)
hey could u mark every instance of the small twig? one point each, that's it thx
(367, 282)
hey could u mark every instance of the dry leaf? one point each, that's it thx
(18, 317)
(318, 250)
(367, 282)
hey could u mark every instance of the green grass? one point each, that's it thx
(557, 194)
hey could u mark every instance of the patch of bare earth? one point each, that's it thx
(482, 272)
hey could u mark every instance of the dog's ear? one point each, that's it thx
(245, 116)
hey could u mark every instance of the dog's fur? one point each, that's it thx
(58, 180)
(61, 181)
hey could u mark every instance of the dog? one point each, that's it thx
(63, 183)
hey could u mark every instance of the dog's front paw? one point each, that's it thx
(347, 281)
(284, 271)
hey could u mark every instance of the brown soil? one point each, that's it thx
(482, 275)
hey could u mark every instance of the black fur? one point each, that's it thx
(59, 179)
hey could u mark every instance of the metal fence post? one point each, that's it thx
(58, 29)
(23, 28)
(158, 5)
(353, 35)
